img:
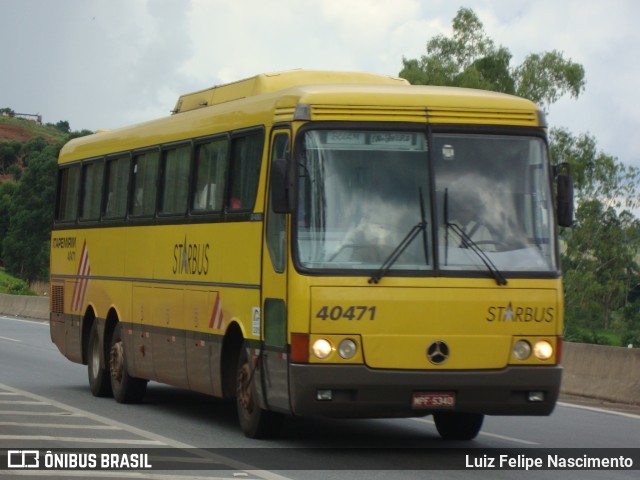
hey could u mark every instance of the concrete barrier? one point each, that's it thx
(594, 371)
(602, 372)
(24, 306)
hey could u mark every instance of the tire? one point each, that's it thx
(254, 421)
(458, 426)
(126, 389)
(99, 378)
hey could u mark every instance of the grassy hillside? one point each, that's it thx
(23, 130)
(9, 284)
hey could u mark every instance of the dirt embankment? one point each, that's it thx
(22, 130)
(14, 132)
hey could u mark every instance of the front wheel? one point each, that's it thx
(254, 421)
(126, 389)
(458, 426)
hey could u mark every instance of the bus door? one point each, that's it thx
(274, 295)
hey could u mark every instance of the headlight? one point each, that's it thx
(543, 350)
(521, 350)
(347, 348)
(322, 348)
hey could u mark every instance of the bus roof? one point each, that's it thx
(309, 95)
(273, 82)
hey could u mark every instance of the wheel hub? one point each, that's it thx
(244, 391)
(116, 361)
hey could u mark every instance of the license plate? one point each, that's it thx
(433, 400)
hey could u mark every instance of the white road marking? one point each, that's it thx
(32, 321)
(600, 410)
(59, 426)
(20, 402)
(97, 474)
(150, 436)
(39, 414)
(10, 339)
(125, 441)
(485, 434)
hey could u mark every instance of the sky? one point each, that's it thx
(104, 64)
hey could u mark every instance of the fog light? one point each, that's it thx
(521, 350)
(536, 396)
(322, 348)
(324, 395)
(347, 348)
(543, 350)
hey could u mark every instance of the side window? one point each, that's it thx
(91, 190)
(210, 172)
(145, 183)
(117, 187)
(68, 187)
(276, 222)
(175, 180)
(246, 154)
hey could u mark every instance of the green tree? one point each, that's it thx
(7, 190)
(62, 125)
(9, 155)
(31, 146)
(599, 262)
(596, 174)
(25, 247)
(469, 58)
(630, 323)
(16, 171)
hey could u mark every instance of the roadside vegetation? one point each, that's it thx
(13, 286)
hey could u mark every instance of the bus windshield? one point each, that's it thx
(362, 193)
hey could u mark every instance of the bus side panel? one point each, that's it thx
(73, 341)
(56, 328)
(66, 333)
(141, 337)
(66, 329)
(168, 337)
(198, 345)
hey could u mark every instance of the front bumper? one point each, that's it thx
(362, 392)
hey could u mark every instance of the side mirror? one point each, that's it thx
(565, 200)
(280, 188)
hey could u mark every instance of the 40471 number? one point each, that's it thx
(337, 312)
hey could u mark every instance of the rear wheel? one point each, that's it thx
(126, 389)
(458, 426)
(99, 378)
(254, 421)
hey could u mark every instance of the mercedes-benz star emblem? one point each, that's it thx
(438, 352)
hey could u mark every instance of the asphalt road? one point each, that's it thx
(45, 403)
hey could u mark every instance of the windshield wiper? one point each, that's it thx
(470, 244)
(406, 241)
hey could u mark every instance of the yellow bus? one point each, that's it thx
(318, 243)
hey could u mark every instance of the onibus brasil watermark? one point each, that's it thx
(35, 459)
